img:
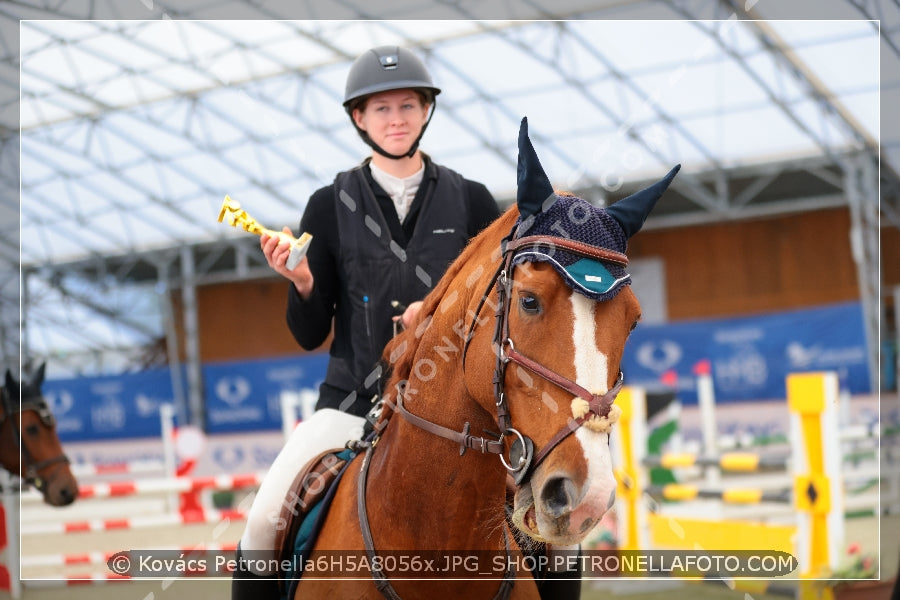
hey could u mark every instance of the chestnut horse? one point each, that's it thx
(29, 446)
(506, 381)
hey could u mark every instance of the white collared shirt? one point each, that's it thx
(401, 190)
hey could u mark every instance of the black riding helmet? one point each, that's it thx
(382, 69)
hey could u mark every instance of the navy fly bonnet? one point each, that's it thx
(544, 213)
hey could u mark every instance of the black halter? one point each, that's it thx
(31, 472)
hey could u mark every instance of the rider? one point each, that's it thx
(383, 234)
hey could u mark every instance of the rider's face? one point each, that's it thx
(393, 119)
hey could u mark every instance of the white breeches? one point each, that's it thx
(325, 429)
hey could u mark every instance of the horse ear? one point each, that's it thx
(38, 378)
(533, 186)
(631, 212)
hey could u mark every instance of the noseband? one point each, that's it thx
(39, 405)
(522, 461)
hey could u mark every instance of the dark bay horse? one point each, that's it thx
(27, 424)
(505, 387)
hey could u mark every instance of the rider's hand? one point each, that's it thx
(409, 315)
(277, 249)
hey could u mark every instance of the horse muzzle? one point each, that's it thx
(61, 493)
(552, 507)
(59, 487)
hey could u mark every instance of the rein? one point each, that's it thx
(462, 438)
(32, 469)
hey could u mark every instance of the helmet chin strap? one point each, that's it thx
(412, 149)
(383, 152)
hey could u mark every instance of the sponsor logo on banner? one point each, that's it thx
(228, 456)
(816, 357)
(264, 455)
(745, 369)
(285, 377)
(739, 365)
(147, 406)
(108, 415)
(290, 374)
(61, 403)
(799, 356)
(233, 390)
(659, 356)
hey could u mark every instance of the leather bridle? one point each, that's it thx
(522, 461)
(32, 469)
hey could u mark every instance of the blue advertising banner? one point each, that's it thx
(748, 357)
(108, 408)
(245, 395)
(751, 356)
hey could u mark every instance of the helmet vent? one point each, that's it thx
(388, 61)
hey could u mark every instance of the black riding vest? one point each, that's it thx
(375, 270)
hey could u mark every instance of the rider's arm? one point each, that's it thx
(310, 320)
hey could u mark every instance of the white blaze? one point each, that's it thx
(590, 364)
(591, 373)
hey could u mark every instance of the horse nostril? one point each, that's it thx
(558, 496)
(67, 496)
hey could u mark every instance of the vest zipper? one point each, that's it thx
(368, 318)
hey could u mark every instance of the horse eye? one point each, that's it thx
(530, 304)
(33, 430)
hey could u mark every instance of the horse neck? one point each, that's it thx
(447, 501)
(433, 497)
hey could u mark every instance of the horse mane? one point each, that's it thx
(400, 351)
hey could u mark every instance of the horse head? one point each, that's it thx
(569, 313)
(29, 445)
(563, 313)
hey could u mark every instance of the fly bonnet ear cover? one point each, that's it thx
(544, 213)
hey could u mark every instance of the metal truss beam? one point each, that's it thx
(874, 10)
(625, 125)
(781, 53)
(864, 237)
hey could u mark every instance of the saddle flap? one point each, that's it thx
(310, 485)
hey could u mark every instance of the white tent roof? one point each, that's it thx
(133, 131)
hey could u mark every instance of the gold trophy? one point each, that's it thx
(238, 217)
